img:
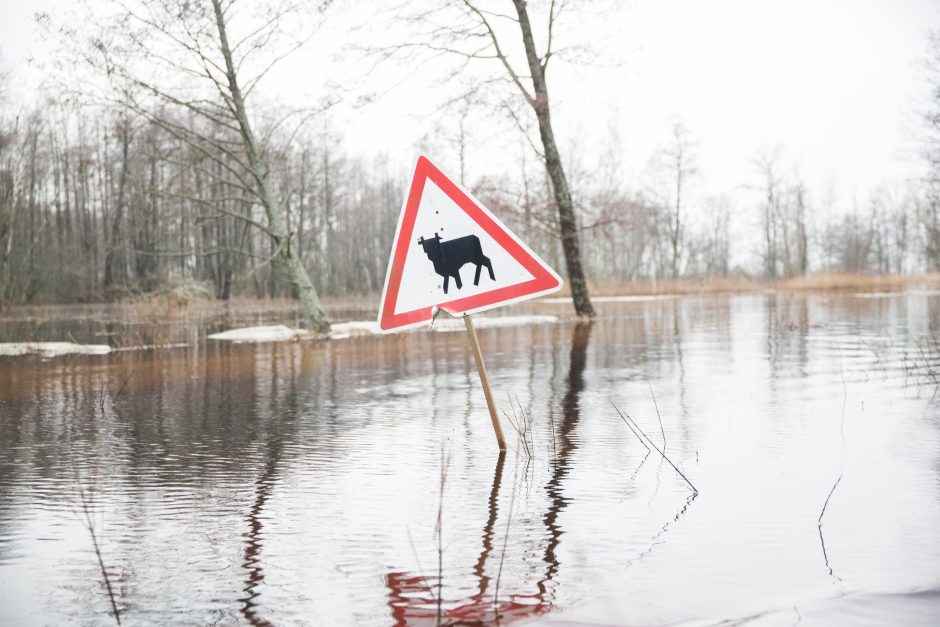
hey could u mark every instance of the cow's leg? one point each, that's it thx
(457, 279)
(476, 275)
(446, 280)
(489, 266)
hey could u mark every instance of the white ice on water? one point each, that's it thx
(51, 349)
(271, 333)
(343, 330)
(281, 333)
(614, 299)
(486, 322)
(354, 328)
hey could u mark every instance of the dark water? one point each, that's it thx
(301, 483)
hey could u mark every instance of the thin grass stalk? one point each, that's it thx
(414, 553)
(651, 443)
(127, 377)
(522, 425)
(658, 415)
(502, 555)
(822, 512)
(634, 432)
(551, 421)
(94, 540)
(445, 461)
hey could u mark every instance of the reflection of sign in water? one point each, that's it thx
(449, 257)
(413, 599)
(443, 223)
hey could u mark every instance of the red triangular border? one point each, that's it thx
(544, 279)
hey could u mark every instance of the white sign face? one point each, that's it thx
(451, 253)
(439, 215)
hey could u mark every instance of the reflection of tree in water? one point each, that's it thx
(282, 414)
(571, 416)
(787, 332)
(410, 597)
(252, 561)
(479, 569)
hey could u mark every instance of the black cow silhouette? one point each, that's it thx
(450, 256)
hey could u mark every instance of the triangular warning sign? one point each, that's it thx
(450, 252)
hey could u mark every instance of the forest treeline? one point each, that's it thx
(103, 202)
(106, 206)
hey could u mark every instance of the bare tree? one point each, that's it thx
(7, 223)
(114, 262)
(10, 173)
(717, 238)
(768, 163)
(802, 237)
(204, 103)
(474, 31)
(681, 164)
(929, 211)
(892, 213)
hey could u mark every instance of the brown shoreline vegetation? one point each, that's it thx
(193, 299)
(824, 281)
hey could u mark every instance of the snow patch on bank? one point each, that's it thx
(613, 299)
(269, 333)
(51, 349)
(358, 328)
(281, 333)
(897, 294)
(272, 333)
(343, 330)
(878, 294)
(445, 325)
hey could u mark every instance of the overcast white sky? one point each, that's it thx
(836, 83)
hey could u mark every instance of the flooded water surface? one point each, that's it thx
(358, 482)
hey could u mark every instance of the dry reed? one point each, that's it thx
(522, 424)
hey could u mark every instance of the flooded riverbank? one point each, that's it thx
(301, 482)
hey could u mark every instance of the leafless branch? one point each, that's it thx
(499, 52)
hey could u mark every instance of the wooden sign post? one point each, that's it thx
(442, 229)
(481, 368)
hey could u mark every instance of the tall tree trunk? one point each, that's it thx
(114, 260)
(8, 213)
(331, 260)
(277, 222)
(801, 238)
(770, 236)
(677, 224)
(556, 172)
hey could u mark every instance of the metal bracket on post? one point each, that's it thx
(478, 357)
